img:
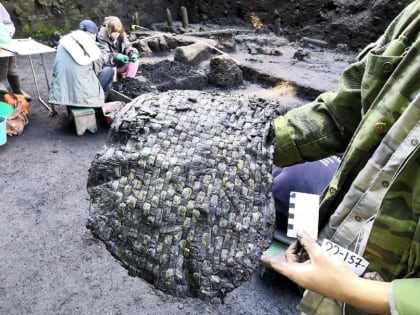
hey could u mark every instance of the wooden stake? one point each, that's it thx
(169, 17)
(184, 16)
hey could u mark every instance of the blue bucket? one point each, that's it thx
(6, 109)
(3, 135)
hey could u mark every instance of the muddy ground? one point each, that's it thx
(51, 264)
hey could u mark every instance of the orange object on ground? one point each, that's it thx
(12, 99)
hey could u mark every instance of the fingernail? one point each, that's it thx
(300, 234)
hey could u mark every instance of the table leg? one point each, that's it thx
(51, 109)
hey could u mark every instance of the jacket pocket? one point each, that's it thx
(378, 71)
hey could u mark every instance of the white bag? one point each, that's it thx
(5, 37)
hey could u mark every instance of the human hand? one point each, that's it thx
(122, 58)
(133, 57)
(329, 276)
(322, 273)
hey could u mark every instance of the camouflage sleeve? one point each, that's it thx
(405, 293)
(323, 127)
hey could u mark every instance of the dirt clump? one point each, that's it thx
(132, 87)
(224, 72)
(173, 75)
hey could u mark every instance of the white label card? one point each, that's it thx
(356, 263)
(303, 214)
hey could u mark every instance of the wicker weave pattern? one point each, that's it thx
(181, 193)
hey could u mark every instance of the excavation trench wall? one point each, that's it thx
(353, 23)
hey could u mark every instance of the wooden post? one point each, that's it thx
(136, 18)
(277, 27)
(169, 17)
(184, 16)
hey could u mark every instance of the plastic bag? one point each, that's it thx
(13, 99)
(5, 37)
(17, 121)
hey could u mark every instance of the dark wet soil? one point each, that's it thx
(132, 87)
(173, 75)
(166, 70)
(161, 76)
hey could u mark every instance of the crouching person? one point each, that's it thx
(117, 50)
(78, 76)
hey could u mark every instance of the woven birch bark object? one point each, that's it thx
(181, 193)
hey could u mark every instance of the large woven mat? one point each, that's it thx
(181, 194)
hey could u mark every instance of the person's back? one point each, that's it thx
(73, 83)
(77, 69)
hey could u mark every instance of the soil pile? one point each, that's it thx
(173, 75)
(161, 76)
(132, 87)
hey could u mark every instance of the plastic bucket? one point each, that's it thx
(6, 109)
(3, 135)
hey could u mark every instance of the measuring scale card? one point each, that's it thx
(303, 214)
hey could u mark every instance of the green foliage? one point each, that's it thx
(39, 30)
(26, 28)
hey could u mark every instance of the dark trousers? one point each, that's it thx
(105, 77)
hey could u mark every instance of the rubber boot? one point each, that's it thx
(15, 85)
(3, 75)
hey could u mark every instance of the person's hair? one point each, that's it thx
(113, 24)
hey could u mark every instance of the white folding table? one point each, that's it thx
(29, 47)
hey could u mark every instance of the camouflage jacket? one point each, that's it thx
(374, 117)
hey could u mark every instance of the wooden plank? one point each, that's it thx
(117, 96)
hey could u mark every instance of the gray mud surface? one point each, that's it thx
(50, 263)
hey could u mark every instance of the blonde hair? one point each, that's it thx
(114, 24)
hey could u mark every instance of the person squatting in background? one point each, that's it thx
(8, 68)
(79, 78)
(117, 51)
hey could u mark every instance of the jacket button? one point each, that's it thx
(387, 67)
(385, 183)
(414, 142)
(379, 127)
(332, 190)
(358, 218)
